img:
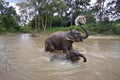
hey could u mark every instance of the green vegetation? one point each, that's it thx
(59, 15)
(97, 28)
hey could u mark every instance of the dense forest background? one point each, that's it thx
(55, 15)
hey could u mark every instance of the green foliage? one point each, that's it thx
(44, 19)
(55, 29)
(66, 12)
(2, 29)
(72, 27)
(90, 19)
(56, 21)
(8, 18)
(116, 28)
(25, 29)
(93, 28)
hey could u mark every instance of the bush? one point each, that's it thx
(72, 27)
(116, 28)
(25, 29)
(55, 29)
(2, 29)
(12, 29)
(93, 28)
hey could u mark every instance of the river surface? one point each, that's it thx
(23, 58)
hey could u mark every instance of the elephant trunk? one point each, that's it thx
(84, 58)
(86, 33)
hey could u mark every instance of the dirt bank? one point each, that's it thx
(104, 37)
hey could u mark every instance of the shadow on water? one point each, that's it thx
(23, 58)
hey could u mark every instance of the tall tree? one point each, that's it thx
(8, 17)
(113, 9)
(77, 7)
(99, 8)
(34, 4)
(45, 11)
(24, 13)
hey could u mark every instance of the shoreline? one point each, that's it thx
(103, 37)
(90, 36)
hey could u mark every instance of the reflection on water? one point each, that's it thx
(23, 58)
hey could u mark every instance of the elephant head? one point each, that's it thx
(77, 36)
(74, 55)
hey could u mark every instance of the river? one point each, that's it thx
(22, 57)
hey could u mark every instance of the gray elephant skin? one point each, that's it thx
(63, 40)
(73, 56)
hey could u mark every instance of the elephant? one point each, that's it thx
(63, 40)
(73, 56)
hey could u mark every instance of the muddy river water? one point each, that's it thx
(23, 58)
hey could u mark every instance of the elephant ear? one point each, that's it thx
(70, 38)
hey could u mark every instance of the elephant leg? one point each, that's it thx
(46, 46)
(70, 48)
(49, 46)
(65, 47)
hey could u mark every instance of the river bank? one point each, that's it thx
(46, 34)
(103, 37)
(100, 36)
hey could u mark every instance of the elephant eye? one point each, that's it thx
(72, 34)
(78, 33)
